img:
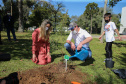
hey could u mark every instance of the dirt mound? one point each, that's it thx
(51, 74)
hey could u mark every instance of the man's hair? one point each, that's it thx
(108, 15)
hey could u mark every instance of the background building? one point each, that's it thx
(123, 21)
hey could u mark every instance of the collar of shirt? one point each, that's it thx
(79, 30)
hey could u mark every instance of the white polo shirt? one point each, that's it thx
(79, 37)
(109, 31)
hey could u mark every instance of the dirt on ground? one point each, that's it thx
(50, 74)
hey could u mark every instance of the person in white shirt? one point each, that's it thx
(81, 38)
(109, 29)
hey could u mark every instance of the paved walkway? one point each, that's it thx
(123, 37)
(116, 37)
(95, 36)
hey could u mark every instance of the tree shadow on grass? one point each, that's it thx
(111, 78)
(5, 57)
(20, 49)
(54, 56)
(120, 44)
(23, 48)
(87, 62)
(123, 59)
(101, 80)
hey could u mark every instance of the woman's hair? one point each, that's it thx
(43, 33)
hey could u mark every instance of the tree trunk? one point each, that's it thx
(54, 30)
(91, 25)
(11, 7)
(21, 25)
(96, 28)
(103, 23)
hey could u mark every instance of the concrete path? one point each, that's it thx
(116, 37)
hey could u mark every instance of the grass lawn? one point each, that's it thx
(21, 55)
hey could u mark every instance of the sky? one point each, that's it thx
(77, 7)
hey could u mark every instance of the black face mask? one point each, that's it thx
(106, 21)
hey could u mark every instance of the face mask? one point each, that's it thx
(8, 13)
(47, 28)
(75, 32)
(106, 21)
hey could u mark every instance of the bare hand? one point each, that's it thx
(34, 57)
(48, 54)
(72, 46)
(100, 37)
(79, 46)
(120, 38)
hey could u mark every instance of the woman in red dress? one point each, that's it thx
(40, 44)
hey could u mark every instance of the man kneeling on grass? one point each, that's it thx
(81, 38)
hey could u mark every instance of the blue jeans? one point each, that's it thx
(13, 33)
(71, 52)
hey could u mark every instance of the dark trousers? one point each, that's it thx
(68, 48)
(13, 33)
(108, 49)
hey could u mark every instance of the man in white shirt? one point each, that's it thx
(81, 38)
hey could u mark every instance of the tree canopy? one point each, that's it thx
(35, 11)
(113, 2)
(91, 9)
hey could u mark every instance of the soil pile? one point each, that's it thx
(50, 74)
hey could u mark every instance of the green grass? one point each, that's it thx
(21, 55)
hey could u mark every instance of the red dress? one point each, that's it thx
(40, 48)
